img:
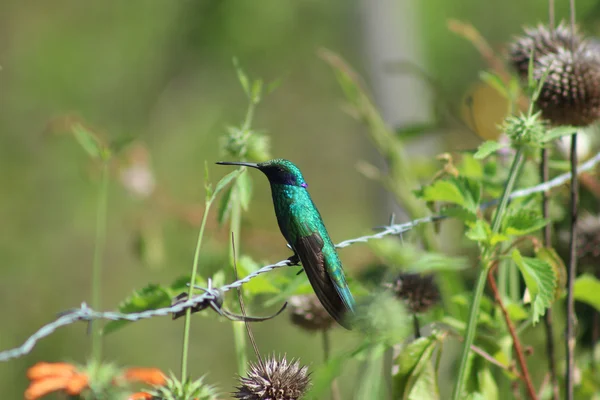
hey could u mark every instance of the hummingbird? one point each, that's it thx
(302, 226)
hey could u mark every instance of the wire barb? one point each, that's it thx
(85, 313)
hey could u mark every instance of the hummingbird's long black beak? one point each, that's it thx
(245, 164)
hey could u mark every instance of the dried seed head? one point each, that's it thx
(308, 313)
(542, 41)
(588, 240)
(571, 90)
(275, 379)
(418, 291)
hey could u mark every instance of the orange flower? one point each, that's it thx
(140, 396)
(53, 377)
(150, 376)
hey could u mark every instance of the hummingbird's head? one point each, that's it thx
(279, 171)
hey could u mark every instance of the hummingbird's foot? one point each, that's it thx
(299, 272)
(294, 260)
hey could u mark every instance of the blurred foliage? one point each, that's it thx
(154, 84)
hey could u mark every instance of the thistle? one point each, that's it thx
(274, 379)
(419, 292)
(570, 67)
(271, 378)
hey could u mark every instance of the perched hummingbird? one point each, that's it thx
(302, 226)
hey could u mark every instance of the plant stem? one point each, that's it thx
(100, 241)
(480, 285)
(515, 338)
(188, 312)
(416, 328)
(239, 333)
(547, 237)
(572, 270)
(335, 390)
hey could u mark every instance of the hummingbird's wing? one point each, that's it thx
(309, 250)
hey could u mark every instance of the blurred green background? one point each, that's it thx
(161, 72)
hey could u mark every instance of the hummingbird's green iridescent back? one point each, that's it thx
(303, 228)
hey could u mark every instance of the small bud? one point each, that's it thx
(274, 379)
(308, 313)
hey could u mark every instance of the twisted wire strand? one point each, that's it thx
(85, 313)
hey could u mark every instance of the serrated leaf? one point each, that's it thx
(540, 281)
(488, 147)
(87, 140)
(549, 255)
(522, 221)
(587, 290)
(411, 363)
(150, 297)
(558, 132)
(244, 185)
(224, 206)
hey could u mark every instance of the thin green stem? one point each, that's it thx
(100, 241)
(480, 286)
(335, 390)
(188, 312)
(239, 333)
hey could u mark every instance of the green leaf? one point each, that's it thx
(470, 167)
(150, 297)
(549, 255)
(558, 132)
(480, 231)
(587, 290)
(412, 363)
(459, 213)
(244, 185)
(87, 140)
(443, 190)
(495, 82)
(522, 221)
(488, 147)
(224, 206)
(224, 182)
(540, 281)
(256, 91)
(242, 77)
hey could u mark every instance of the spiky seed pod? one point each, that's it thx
(571, 91)
(542, 41)
(308, 313)
(420, 292)
(278, 379)
(588, 240)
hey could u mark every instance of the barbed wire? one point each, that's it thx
(85, 313)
